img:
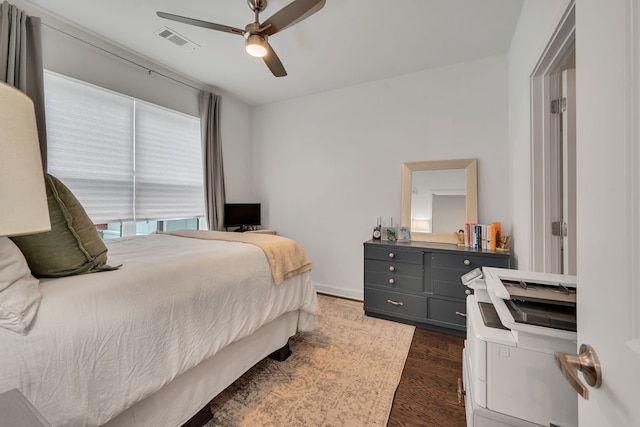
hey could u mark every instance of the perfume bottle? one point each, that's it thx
(376, 233)
(377, 230)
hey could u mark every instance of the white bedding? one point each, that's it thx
(104, 341)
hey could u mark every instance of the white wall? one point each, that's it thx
(325, 166)
(538, 20)
(71, 55)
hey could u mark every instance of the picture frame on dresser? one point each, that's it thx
(403, 235)
(389, 234)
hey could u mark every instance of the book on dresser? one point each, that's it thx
(481, 236)
(419, 282)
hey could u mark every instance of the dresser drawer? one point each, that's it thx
(467, 262)
(462, 261)
(394, 254)
(445, 311)
(410, 283)
(396, 303)
(393, 267)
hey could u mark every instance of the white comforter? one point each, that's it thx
(104, 341)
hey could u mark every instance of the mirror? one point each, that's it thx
(438, 198)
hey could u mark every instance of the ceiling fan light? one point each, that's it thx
(256, 46)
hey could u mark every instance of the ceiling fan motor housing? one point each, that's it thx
(252, 28)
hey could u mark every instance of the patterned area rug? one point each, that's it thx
(343, 374)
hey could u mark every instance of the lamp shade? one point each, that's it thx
(23, 199)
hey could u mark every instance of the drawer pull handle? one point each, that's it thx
(392, 268)
(392, 255)
(467, 262)
(397, 303)
(392, 281)
(461, 314)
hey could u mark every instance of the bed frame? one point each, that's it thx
(205, 415)
(185, 400)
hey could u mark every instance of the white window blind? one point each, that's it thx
(90, 147)
(169, 181)
(124, 160)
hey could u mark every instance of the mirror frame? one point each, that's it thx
(471, 168)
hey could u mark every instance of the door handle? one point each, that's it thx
(586, 362)
(461, 392)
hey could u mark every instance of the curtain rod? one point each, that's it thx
(149, 70)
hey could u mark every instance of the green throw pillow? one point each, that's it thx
(73, 245)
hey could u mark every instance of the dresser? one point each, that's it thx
(419, 282)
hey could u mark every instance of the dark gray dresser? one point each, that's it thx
(419, 282)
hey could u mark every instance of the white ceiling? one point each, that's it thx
(347, 42)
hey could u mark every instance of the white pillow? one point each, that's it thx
(19, 292)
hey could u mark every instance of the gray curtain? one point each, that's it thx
(21, 62)
(212, 159)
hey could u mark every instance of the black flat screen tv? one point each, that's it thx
(241, 214)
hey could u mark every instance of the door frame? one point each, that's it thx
(545, 132)
(569, 177)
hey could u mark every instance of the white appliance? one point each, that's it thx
(509, 372)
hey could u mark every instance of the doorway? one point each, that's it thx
(553, 154)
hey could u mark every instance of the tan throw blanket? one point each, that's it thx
(286, 257)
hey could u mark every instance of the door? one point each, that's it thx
(608, 205)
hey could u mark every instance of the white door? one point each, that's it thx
(608, 205)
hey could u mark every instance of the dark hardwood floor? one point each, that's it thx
(427, 393)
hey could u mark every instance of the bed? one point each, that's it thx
(151, 343)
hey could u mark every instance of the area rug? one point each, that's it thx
(343, 374)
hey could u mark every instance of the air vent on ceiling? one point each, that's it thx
(177, 39)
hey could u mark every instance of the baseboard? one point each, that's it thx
(340, 292)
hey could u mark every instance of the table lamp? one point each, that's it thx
(23, 200)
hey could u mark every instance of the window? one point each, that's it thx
(134, 166)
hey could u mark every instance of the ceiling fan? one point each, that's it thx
(256, 33)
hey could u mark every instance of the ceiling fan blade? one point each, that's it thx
(273, 62)
(291, 14)
(199, 23)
